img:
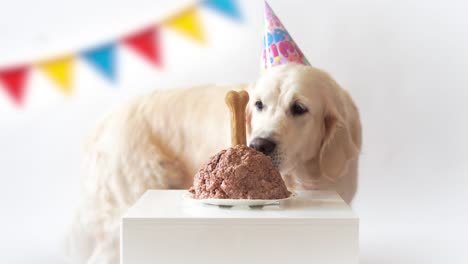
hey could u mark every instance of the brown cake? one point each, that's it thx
(239, 172)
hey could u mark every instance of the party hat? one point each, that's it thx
(278, 46)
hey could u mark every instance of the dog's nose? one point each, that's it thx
(266, 146)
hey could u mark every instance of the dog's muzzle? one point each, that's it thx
(264, 145)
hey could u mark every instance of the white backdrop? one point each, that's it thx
(404, 62)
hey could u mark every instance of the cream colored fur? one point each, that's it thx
(159, 141)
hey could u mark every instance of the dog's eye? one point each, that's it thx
(259, 105)
(297, 109)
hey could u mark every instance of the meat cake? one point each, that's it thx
(239, 172)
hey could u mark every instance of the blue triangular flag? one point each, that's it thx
(228, 7)
(103, 59)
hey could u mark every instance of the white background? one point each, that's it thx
(404, 62)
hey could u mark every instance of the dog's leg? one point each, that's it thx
(116, 176)
(107, 250)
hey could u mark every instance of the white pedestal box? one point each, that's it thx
(166, 228)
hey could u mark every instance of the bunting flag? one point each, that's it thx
(187, 23)
(146, 43)
(227, 7)
(103, 59)
(60, 71)
(14, 81)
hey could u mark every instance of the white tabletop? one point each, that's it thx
(174, 205)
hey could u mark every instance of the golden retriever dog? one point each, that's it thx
(297, 115)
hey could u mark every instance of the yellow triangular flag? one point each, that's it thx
(188, 23)
(60, 71)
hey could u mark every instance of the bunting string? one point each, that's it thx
(102, 58)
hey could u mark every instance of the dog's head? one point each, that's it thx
(294, 117)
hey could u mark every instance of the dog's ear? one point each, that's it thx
(337, 145)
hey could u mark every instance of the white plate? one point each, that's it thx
(236, 202)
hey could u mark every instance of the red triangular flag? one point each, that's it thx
(146, 43)
(14, 82)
